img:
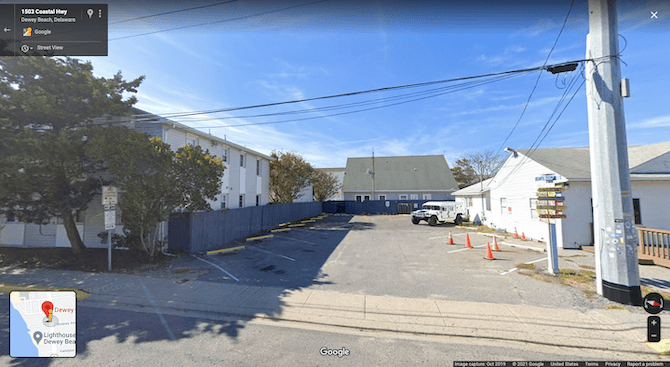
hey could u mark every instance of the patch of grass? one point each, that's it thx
(589, 293)
(539, 276)
(579, 277)
(482, 228)
(614, 307)
(6, 288)
(587, 267)
(526, 266)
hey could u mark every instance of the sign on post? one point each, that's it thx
(110, 198)
(550, 205)
(109, 195)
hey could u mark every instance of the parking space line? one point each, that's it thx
(295, 239)
(447, 236)
(216, 266)
(515, 269)
(271, 253)
(463, 249)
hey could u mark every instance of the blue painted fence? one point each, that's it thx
(203, 231)
(373, 206)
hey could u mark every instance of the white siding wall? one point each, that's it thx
(250, 184)
(518, 188)
(576, 227)
(654, 203)
(305, 195)
(12, 233)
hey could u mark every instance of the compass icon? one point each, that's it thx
(653, 303)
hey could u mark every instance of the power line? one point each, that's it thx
(424, 95)
(204, 112)
(541, 138)
(215, 22)
(538, 78)
(173, 12)
(348, 112)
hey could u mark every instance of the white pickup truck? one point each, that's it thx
(439, 212)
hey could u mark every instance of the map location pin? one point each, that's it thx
(37, 336)
(48, 309)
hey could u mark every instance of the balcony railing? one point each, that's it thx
(654, 246)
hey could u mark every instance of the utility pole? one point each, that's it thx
(373, 173)
(615, 240)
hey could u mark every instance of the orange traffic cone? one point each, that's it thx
(523, 237)
(516, 235)
(467, 241)
(489, 254)
(495, 244)
(451, 239)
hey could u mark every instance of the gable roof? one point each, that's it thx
(575, 163)
(406, 173)
(474, 189)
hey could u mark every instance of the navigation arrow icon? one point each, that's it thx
(7, 29)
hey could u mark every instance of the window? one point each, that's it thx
(488, 202)
(192, 141)
(258, 200)
(403, 197)
(224, 198)
(366, 198)
(382, 197)
(503, 206)
(533, 208)
(224, 155)
(258, 167)
(415, 196)
(636, 211)
(468, 201)
(358, 198)
(241, 201)
(241, 160)
(426, 196)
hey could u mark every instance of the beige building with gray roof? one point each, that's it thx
(425, 177)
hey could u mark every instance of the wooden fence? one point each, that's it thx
(654, 246)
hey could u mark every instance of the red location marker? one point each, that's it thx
(48, 309)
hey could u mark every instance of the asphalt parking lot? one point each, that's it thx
(385, 255)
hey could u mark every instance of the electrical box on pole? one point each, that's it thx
(615, 239)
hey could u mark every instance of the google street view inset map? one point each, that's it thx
(42, 324)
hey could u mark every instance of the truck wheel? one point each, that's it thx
(415, 220)
(458, 220)
(432, 221)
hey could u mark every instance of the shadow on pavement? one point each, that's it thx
(264, 278)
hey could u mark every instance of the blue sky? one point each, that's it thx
(334, 47)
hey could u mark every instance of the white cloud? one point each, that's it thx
(654, 122)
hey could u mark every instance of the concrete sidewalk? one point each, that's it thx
(611, 334)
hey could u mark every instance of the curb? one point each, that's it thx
(225, 250)
(259, 237)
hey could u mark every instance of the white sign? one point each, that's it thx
(110, 219)
(109, 195)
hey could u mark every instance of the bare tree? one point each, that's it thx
(476, 167)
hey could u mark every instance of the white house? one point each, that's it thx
(513, 200)
(246, 182)
(338, 173)
(476, 200)
(426, 177)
